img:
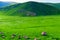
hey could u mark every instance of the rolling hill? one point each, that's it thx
(57, 5)
(30, 9)
(14, 27)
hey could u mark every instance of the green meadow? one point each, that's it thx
(30, 26)
(29, 20)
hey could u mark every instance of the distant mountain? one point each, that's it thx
(3, 4)
(30, 9)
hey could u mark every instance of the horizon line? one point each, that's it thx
(31, 1)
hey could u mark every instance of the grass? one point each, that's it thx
(30, 26)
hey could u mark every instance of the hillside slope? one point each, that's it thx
(57, 5)
(31, 9)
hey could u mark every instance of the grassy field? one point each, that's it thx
(30, 26)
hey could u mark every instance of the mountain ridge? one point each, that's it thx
(32, 9)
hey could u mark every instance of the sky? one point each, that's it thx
(21, 1)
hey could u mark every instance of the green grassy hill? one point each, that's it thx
(11, 21)
(30, 9)
(57, 5)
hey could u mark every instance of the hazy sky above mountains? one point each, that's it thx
(21, 1)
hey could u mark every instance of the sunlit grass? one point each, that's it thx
(31, 26)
